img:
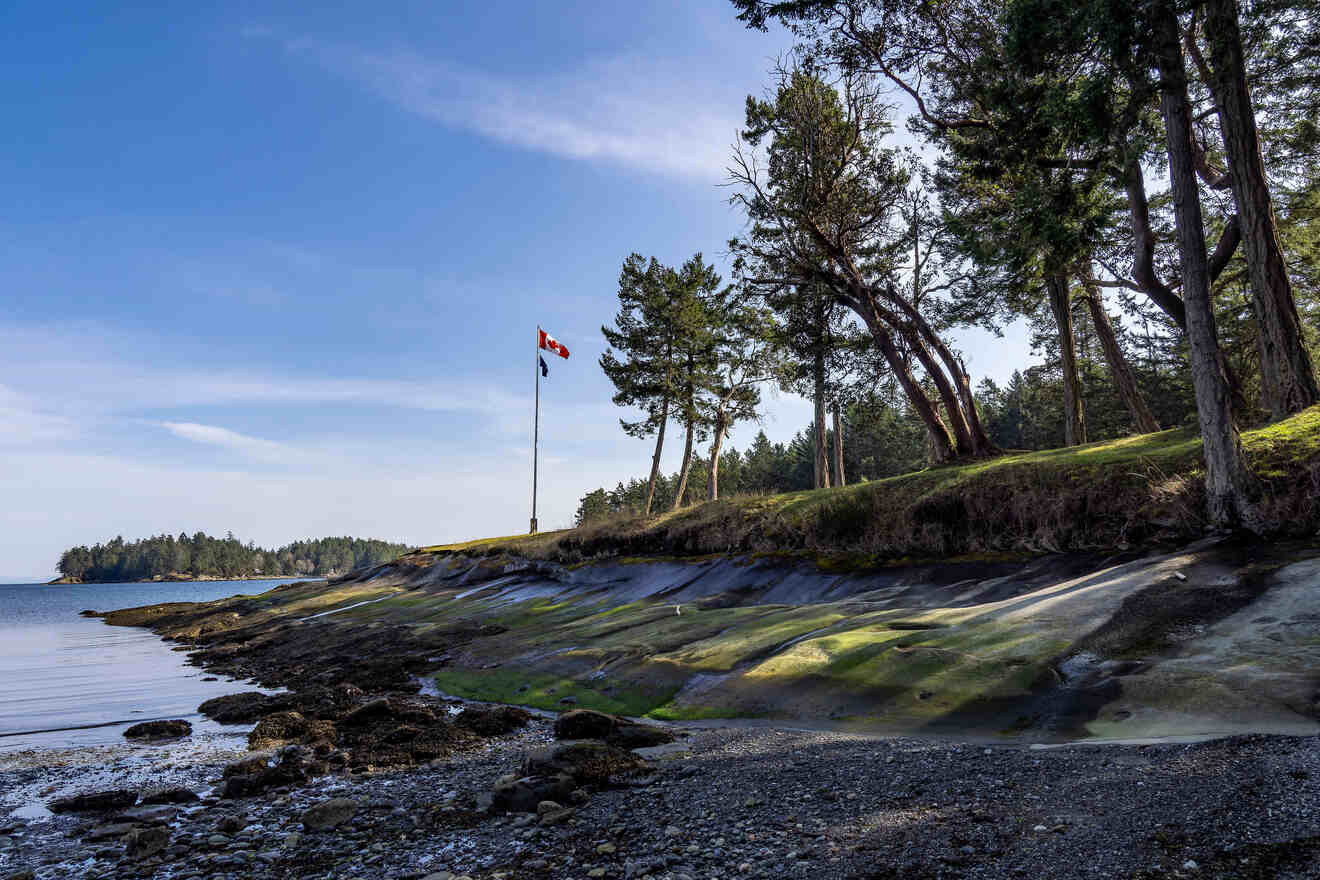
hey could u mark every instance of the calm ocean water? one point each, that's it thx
(67, 680)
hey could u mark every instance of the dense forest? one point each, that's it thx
(1137, 182)
(201, 555)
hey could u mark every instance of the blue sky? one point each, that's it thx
(277, 267)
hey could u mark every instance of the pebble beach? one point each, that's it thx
(718, 803)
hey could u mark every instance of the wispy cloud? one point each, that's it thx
(73, 372)
(402, 394)
(24, 423)
(213, 435)
(93, 388)
(646, 114)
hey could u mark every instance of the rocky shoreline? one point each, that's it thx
(722, 802)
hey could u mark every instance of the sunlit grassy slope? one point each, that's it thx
(1116, 493)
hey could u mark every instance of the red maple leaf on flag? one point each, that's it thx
(549, 343)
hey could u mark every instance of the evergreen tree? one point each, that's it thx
(593, 507)
(697, 300)
(660, 350)
(641, 360)
(746, 354)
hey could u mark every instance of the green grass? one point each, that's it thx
(480, 544)
(1275, 450)
(541, 690)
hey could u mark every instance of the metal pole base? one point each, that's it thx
(533, 529)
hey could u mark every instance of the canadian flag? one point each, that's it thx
(549, 343)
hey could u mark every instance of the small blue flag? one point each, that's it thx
(545, 371)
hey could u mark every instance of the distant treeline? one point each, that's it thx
(204, 556)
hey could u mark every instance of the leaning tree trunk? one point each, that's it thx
(821, 467)
(713, 481)
(962, 435)
(984, 445)
(864, 300)
(1226, 478)
(941, 446)
(839, 480)
(1074, 424)
(1142, 418)
(687, 465)
(910, 327)
(980, 442)
(655, 459)
(1288, 382)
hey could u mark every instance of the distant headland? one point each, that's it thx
(201, 557)
(173, 577)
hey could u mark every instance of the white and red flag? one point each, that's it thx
(549, 343)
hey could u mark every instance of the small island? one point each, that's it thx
(201, 557)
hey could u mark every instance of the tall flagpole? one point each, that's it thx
(536, 425)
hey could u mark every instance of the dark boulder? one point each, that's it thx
(588, 724)
(630, 735)
(523, 794)
(402, 734)
(94, 802)
(292, 767)
(277, 729)
(392, 710)
(493, 720)
(243, 708)
(232, 824)
(246, 767)
(437, 741)
(584, 724)
(106, 831)
(397, 732)
(143, 843)
(329, 814)
(589, 763)
(149, 730)
(170, 796)
(368, 713)
(329, 702)
(152, 814)
(258, 783)
(314, 702)
(285, 728)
